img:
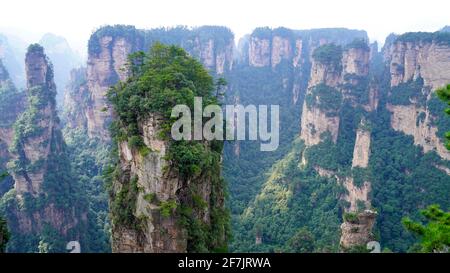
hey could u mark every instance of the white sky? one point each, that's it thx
(76, 19)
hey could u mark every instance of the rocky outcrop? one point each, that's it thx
(407, 119)
(282, 50)
(411, 59)
(158, 233)
(39, 166)
(76, 100)
(64, 59)
(259, 52)
(110, 46)
(158, 184)
(12, 104)
(355, 60)
(215, 57)
(35, 148)
(356, 194)
(357, 230)
(324, 73)
(314, 123)
(106, 66)
(361, 151)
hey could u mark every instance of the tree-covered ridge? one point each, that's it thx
(324, 97)
(165, 77)
(42, 172)
(12, 100)
(328, 54)
(181, 36)
(358, 44)
(4, 235)
(439, 37)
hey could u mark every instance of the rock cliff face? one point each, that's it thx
(76, 100)
(316, 122)
(12, 103)
(425, 57)
(406, 119)
(356, 61)
(106, 66)
(39, 166)
(166, 195)
(259, 52)
(109, 48)
(36, 148)
(358, 231)
(409, 60)
(361, 152)
(345, 74)
(158, 234)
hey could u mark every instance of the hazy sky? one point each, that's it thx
(76, 19)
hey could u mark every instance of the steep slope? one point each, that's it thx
(12, 103)
(361, 121)
(46, 207)
(301, 75)
(64, 59)
(360, 131)
(418, 64)
(166, 195)
(110, 46)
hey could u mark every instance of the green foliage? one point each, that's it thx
(351, 217)
(329, 54)
(358, 44)
(301, 242)
(404, 93)
(167, 208)
(361, 175)
(124, 205)
(325, 98)
(130, 33)
(4, 235)
(441, 38)
(89, 158)
(403, 179)
(262, 33)
(294, 196)
(159, 80)
(435, 235)
(444, 95)
(150, 197)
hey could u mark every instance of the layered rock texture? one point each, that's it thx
(358, 231)
(342, 105)
(158, 234)
(424, 58)
(12, 103)
(166, 195)
(109, 48)
(44, 198)
(76, 100)
(339, 79)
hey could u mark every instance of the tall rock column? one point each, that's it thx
(45, 206)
